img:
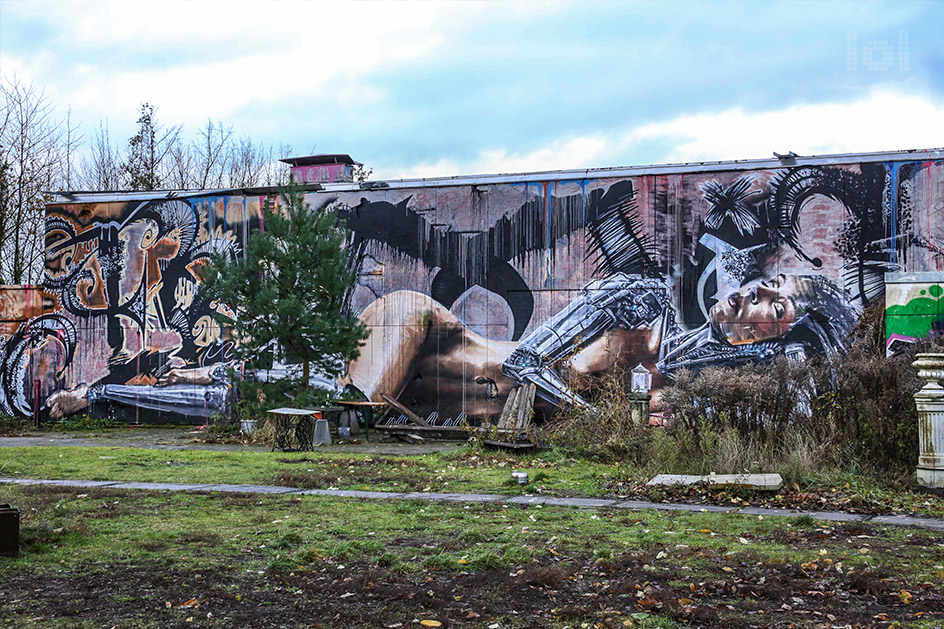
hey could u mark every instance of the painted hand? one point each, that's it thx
(62, 403)
(197, 375)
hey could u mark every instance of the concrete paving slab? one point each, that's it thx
(24, 481)
(676, 479)
(349, 493)
(773, 511)
(560, 502)
(421, 495)
(83, 483)
(907, 520)
(60, 483)
(829, 516)
(834, 516)
(253, 489)
(164, 486)
(670, 506)
(760, 482)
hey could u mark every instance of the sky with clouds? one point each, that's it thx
(421, 89)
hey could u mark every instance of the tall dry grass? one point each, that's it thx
(850, 412)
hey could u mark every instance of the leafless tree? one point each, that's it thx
(178, 167)
(73, 141)
(210, 155)
(276, 173)
(101, 167)
(245, 163)
(32, 153)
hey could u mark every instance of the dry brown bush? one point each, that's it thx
(605, 430)
(853, 411)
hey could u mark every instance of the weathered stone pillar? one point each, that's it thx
(639, 408)
(930, 402)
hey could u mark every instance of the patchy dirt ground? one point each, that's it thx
(827, 499)
(700, 587)
(374, 471)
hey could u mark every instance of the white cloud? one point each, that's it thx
(269, 52)
(560, 154)
(881, 120)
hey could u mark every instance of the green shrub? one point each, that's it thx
(868, 398)
(82, 422)
(12, 425)
(253, 398)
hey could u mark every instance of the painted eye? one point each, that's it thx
(779, 309)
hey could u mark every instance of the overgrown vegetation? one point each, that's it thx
(10, 425)
(255, 398)
(604, 430)
(847, 413)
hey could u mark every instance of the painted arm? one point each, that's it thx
(625, 300)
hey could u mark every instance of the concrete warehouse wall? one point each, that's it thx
(472, 286)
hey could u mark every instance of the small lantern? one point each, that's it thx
(642, 380)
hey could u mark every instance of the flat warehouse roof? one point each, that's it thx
(541, 176)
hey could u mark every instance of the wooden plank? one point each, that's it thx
(506, 411)
(411, 437)
(451, 433)
(508, 422)
(505, 445)
(413, 417)
(525, 406)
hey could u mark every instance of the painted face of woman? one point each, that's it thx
(760, 310)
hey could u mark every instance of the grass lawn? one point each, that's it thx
(104, 557)
(126, 558)
(463, 470)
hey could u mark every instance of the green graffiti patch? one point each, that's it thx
(917, 317)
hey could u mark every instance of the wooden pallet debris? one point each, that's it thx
(413, 417)
(508, 445)
(449, 433)
(525, 407)
(519, 407)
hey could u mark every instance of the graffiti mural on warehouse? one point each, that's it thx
(747, 267)
(126, 327)
(472, 289)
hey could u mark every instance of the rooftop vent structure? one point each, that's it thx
(322, 168)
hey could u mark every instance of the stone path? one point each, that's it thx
(188, 439)
(584, 503)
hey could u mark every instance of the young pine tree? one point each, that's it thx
(288, 292)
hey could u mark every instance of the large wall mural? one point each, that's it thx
(123, 332)
(472, 290)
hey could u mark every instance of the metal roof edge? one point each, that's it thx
(539, 176)
(638, 171)
(64, 198)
